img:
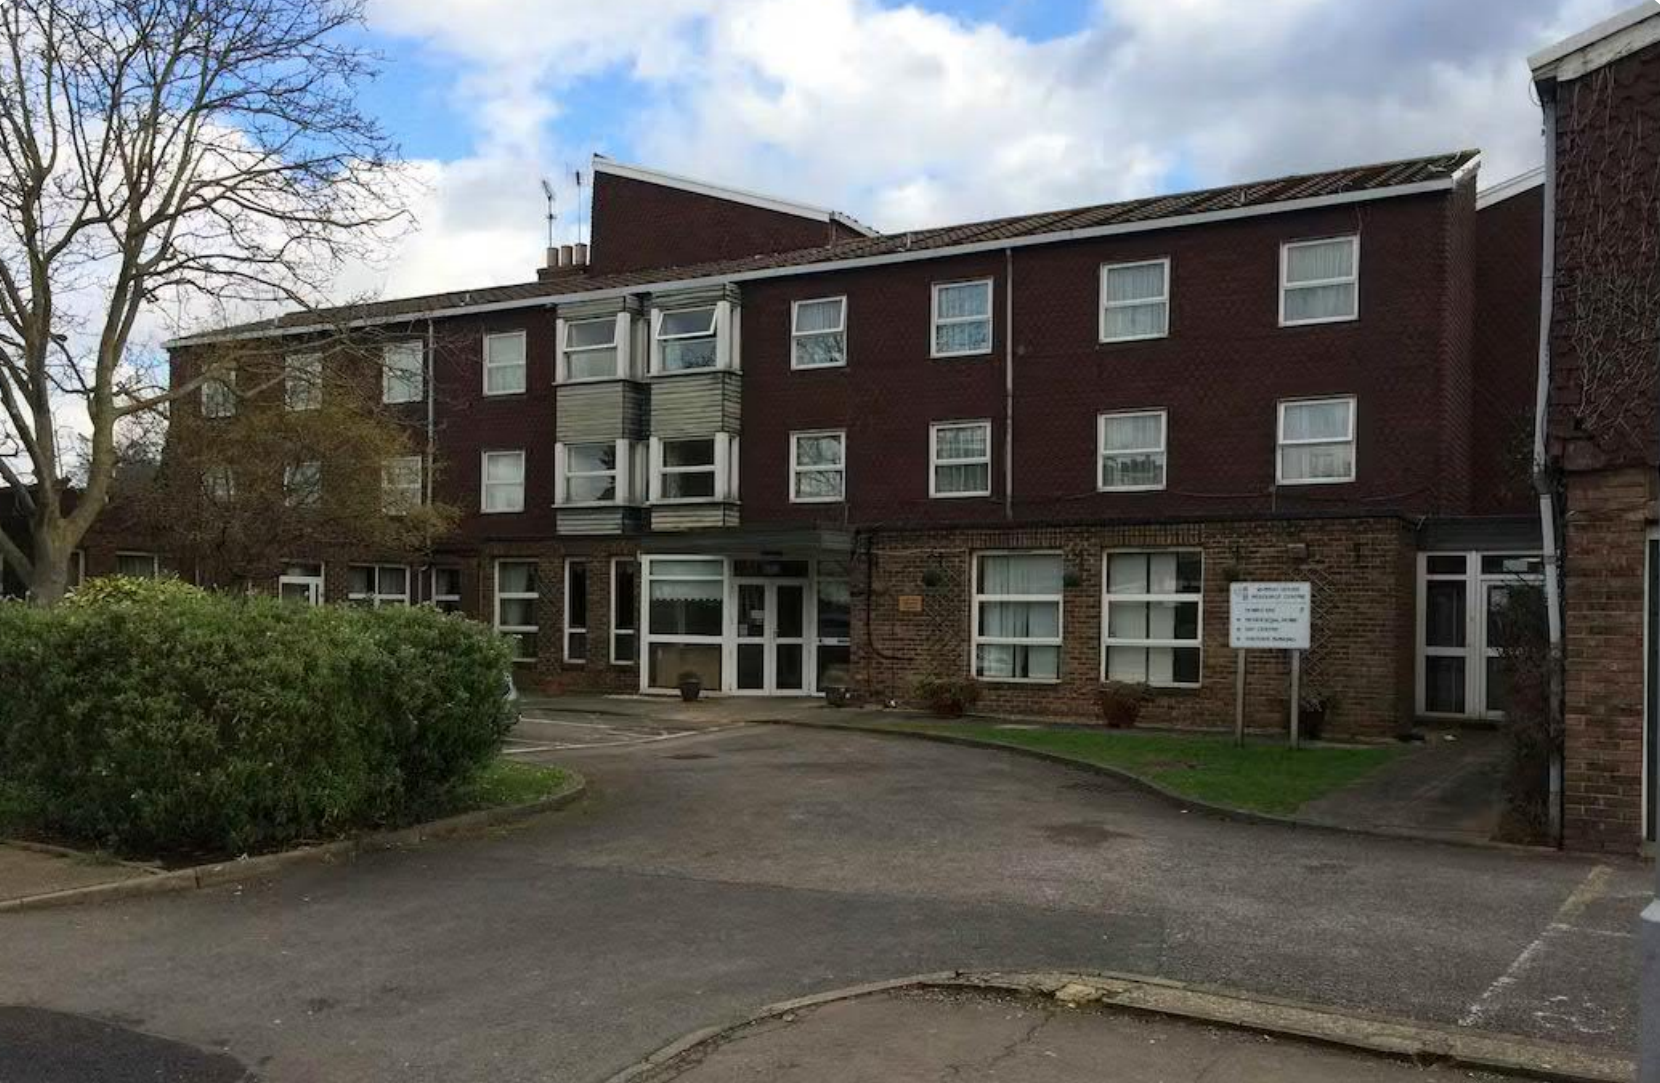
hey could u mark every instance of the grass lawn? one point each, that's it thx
(1259, 777)
(510, 782)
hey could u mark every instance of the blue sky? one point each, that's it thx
(923, 113)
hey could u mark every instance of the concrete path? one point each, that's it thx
(716, 872)
(925, 1037)
(1448, 787)
(25, 872)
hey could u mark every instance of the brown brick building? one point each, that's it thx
(1601, 96)
(756, 441)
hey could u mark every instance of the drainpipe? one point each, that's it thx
(1008, 383)
(1542, 480)
(431, 452)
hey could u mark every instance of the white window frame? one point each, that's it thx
(1056, 641)
(534, 597)
(724, 467)
(566, 631)
(937, 321)
(797, 335)
(619, 342)
(796, 469)
(136, 554)
(1101, 452)
(621, 473)
(1163, 298)
(222, 384)
(392, 493)
(934, 461)
(440, 600)
(1352, 279)
(484, 482)
(720, 319)
(1108, 599)
(376, 597)
(630, 633)
(302, 381)
(523, 364)
(392, 376)
(648, 638)
(311, 499)
(1281, 443)
(218, 494)
(1476, 649)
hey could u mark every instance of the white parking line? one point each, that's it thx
(1573, 906)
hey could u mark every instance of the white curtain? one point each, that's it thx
(815, 316)
(1136, 284)
(1316, 421)
(1135, 432)
(516, 577)
(1318, 262)
(968, 299)
(966, 442)
(1019, 574)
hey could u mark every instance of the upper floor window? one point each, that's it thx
(504, 363)
(818, 466)
(1316, 442)
(302, 381)
(699, 468)
(401, 377)
(959, 454)
(962, 318)
(588, 350)
(1320, 281)
(1152, 629)
(503, 482)
(1135, 300)
(588, 473)
(1131, 451)
(400, 484)
(686, 339)
(302, 484)
(219, 395)
(818, 333)
(219, 483)
(1017, 616)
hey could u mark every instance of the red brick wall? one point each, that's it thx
(1362, 571)
(1607, 524)
(637, 224)
(1506, 353)
(1219, 374)
(1457, 374)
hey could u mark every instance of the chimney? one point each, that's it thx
(564, 255)
(579, 255)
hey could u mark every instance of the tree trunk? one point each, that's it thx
(50, 580)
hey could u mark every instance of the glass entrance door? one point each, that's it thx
(301, 583)
(770, 635)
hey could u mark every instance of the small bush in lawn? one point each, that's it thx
(948, 697)
(149, 716)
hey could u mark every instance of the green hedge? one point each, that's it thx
(150, 717)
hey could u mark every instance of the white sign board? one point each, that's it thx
(1268, 616)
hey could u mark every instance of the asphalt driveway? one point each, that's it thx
(711, 873)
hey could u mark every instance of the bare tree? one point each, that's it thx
(156, 151)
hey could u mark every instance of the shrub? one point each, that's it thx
(152, 717)
(1120, 703)
(948, 697)
(1522, 636)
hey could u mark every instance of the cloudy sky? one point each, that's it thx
(925, 112)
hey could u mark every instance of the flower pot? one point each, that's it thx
(690, 690)
(838, 695)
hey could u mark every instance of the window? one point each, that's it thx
(138, 565)
(400, 484)
(1135, 301)
(576, 611)
(685, 619)
(446, 589)
(1017, 616)
(590, 349)
(960, 459)
(962, 318)
(516, 606)
(625, 611)
(818, 467)
(589, 473)
(219, 395)
(1320, 281)
(686, 339)
(692, 469)
(401, 377)
(377, 584)
(504, 363)
(835, 625)
(503, 482)
(1132, 451)
(302, 381)
(219, 484)
(1462, 598)
(1317, 442)
(818, 333)
(302, 484)
(1151, 629)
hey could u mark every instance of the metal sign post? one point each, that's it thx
(1239, 699)
(1296, 697)
(1269, 616)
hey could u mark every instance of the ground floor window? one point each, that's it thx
(377, 584)
(576, 611)
(1017, 616)
(138, 565)
(446, 589)
(1460, 596)
(516, 600)
(301, 582)
(835, 625)
(1152, 625)
(625, 611)
(685, 620)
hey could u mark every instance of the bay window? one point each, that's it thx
(693, 469)
(1152, 624)
(588, 473)
(1017, 616)
(686, 339)
(592, 349)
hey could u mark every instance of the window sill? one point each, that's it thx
(960, 496)
(1131, 340)
(958, 355)
(1280, 483)
(689, 502)
(519, 394)
(594, 505)
(1131, 489)
(1019, 682)
(838, 367)
(693, 372)
(582, 380)
(820, 500)
(1322, 322)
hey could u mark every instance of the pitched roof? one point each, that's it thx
(1382, 180)
(1615, 37)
